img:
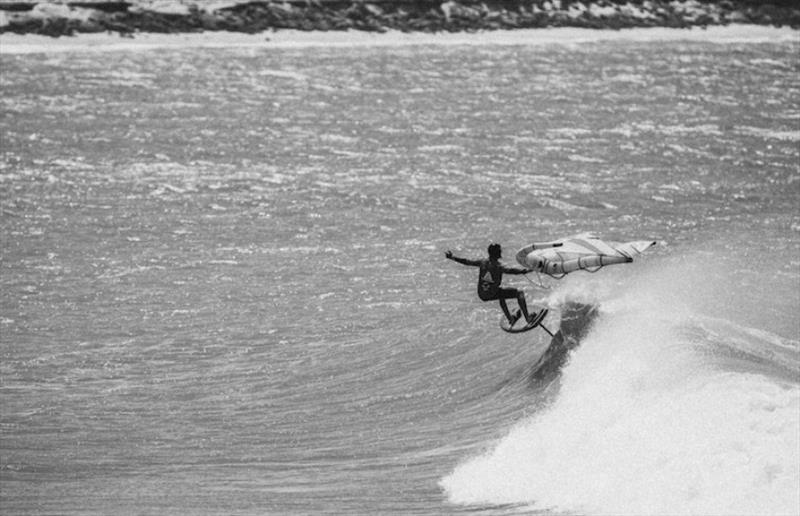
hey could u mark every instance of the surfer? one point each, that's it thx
(490, 276)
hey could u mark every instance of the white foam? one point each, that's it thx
(646, 422)
(625, 437)
(23, 44)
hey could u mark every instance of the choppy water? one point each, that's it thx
(224, 291)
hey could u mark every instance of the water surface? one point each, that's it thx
(224, 290)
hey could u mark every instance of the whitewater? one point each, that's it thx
(664, 410)
(223, 287)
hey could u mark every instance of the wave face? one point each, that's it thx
(661, 410)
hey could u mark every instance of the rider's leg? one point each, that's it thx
(504, 306)
(510, 293)
(523, 305)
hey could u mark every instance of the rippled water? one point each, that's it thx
(224, 291)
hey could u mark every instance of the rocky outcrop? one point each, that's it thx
(175, 16)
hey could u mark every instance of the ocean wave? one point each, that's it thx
(659, 411)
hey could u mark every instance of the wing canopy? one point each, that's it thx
(581, 252)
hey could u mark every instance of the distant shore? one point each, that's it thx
(132, 17)
(11, 44)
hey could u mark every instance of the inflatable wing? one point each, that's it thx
(581, 252)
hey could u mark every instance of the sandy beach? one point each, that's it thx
(104, 42)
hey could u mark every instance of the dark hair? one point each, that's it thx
(494, 250)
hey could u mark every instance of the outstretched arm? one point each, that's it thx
(450, 256)
(515, 270)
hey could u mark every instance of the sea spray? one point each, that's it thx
(649, 420)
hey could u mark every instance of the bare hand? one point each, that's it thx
(448, 254)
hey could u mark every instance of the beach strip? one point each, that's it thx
(287, 39)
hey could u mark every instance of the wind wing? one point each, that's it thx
(581, 252)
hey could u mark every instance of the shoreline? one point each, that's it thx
(11, 44)
(134, 17)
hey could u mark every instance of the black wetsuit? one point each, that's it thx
(490, 276)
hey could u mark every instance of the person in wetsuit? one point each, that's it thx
(490, 276)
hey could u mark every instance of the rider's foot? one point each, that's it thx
(515, 317)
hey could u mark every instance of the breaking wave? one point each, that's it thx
(661, 410)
